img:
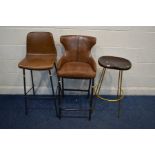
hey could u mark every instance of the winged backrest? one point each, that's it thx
(40, 43)
(77, 48)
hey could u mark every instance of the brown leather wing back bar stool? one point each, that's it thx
(41, 55)
(117, 63)
(76, 63)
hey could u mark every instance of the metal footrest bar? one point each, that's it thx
(111, 100)
(71, 116)
(69, 109)
(40, 97)
(75, 90)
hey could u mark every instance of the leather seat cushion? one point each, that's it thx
(38, 62)
(76, 70)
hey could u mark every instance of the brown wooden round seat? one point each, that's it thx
(112, 62)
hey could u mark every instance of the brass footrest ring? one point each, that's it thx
(107, 99)
(111, 100)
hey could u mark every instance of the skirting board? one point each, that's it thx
(106, 91)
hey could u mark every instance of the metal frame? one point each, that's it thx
(61, 90)
(119, 90)
(33, 88)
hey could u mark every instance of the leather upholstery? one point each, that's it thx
(77, 61)
(41, 52)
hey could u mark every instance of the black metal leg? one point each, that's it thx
(51, 82)
(119, 109)
(25, 97)
(55, 66)
(62, 86)
(91, 100)
(55, 104)
(119, 91)
(59, 96)
(32, 82)
(89, 88)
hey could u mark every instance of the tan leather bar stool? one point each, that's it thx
(117, 63)
(76, 63)
(40, 56)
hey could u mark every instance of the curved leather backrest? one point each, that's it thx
(40, 43)
(77, 48)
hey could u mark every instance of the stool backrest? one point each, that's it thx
(77, 48)
(40, 43)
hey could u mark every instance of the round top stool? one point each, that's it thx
(116, 63)
(112, 62)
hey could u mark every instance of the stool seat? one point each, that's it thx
(76, 70)
(38, 61)
(112, 62)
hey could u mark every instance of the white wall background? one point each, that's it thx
(135, 43)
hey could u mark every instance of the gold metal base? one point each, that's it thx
(120, 93)
(110, 100)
